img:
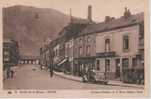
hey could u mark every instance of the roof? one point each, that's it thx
(79, 21)
(115, 23)
(72, 29)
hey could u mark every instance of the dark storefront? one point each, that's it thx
(83, 63)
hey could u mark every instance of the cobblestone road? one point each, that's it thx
(31, 77)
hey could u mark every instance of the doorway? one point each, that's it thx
(117, 64)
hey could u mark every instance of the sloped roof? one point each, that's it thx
(115, 23)
(80, 21)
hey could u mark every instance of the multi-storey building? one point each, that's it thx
(84, 52)
(46, 54)
(115, 46)
(10, 54)
(118, 48)
(66, 43)
(57, 58)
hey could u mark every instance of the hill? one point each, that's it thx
(30, 26)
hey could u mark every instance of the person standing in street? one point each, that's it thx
(51, 70)
(50, 59)
(84, 77)
(12, 73)
(8, 73)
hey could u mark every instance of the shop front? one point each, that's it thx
(83, 63)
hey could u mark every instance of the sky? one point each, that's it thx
(100, 8)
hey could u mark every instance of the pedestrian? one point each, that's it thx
(12, 73)
(88, 74)
(8, 73)
(41, 67)
(84, 77)
(51, 70)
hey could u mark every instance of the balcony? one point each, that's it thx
(105, 54)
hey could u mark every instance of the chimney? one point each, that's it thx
(90, 13)
(71, 19)
(108, 18)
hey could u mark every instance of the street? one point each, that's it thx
(31, 77)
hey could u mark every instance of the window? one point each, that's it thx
(88, 50)
(6, 53)
(134, 62)
(88, 39)
(107, 45)
(125, 63)
(6, 59)
(107, 65)
(80, 41)
(80, 51)
(98, 65)
(54, 54)
(125, 43)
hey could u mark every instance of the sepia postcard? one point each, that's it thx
(74, 48)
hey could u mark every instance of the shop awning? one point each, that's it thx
(64, 60)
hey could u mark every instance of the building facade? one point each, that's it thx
(47, 54)
(114, 46)
(84, 52)
(10, 55)
(119, 51)
(69, 55)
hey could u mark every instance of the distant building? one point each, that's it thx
(29, 59)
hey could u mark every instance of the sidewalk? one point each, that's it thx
(119, 83)
(70, 77)
(111, 82)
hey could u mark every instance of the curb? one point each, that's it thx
(67, 77)
(107, 84)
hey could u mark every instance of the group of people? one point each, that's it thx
(10, 73)
(88, 75)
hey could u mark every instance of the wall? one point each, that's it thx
(69, 49)
(83, 41)
(116, 37)
(56, 51)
